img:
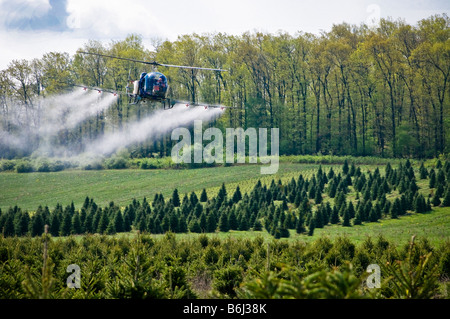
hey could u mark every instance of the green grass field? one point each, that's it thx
(30, 190)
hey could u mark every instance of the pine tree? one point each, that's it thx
(194, 226)
(446, 200)
(203, 196)
(8, 228)
(104, 222)
(243, 223)
(436, 201)
(339, 200)
(318, 198)
(237, 196)
(423, 171)
(175, 198)
(334, 219)
(119, 222)
(395, 209)
(202, 222)
(357, 220)
(346, 219)
(345, 167)
(312, 225)
(232, 220)
(332, 188)
(300, 225)
(330, 174)
(223, 223)
(37, 225)
(440, 178)
(21, 223)
(76, 224)
(432, 182)
(221, 196)
(66, 224)
(257, 226)
(54, 224)
(182, 224)
(110, 229)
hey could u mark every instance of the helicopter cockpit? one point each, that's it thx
(153, 84)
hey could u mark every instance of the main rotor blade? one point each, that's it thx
(120, 58)
(154, 63)
(190, 67)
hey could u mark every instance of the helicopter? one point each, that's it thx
(152, 86)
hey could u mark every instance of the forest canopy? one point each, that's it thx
(353, 90)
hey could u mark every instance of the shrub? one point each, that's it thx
(7, 165)
(24, 167)
(116, 163)
(226, 280)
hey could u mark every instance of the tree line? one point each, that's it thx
(276, 208)
(353, 90)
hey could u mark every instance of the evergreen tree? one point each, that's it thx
(346, 219)
(332, 188)
(339, 200)
(211, 223)
(436, 201)
(76, 224)
(194, 226)
(318, 198)
(232, 220)
(395, 209)
(104, 222)
(223, 223)
(54, 224)
(21, 223)
(446, 200)
(66, 224)
(8, 228)
(300, 225)
(37, 225)
(312, 225)
(221, 196)
(126, 221)
(176, 198)
(182, 224)
(110, 229)
(203, 196)
(334, 219)
(119, 224)
(439, 190)
(202, 223)
(432, 182)
(345, 167)
(237, 196)
(440, 178)
(330, 174)
(243, 223)
(357, 220)
(423, 171)
(257, 226)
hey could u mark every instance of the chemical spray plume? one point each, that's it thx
(160, 122)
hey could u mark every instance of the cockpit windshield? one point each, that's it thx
(155, 84)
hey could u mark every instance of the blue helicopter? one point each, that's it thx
(152, 86)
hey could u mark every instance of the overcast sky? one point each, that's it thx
(30, 28)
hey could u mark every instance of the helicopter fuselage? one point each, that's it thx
(151, 86)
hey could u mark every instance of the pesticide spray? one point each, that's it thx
(64, 112)
(160, 122)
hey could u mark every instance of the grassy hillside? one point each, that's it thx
(33, 189)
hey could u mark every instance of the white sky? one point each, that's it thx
(30, 28)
